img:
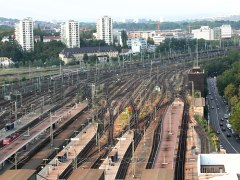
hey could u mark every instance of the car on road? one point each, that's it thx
(223, 129)
(218, 132)
(222, 119)
(228, 135)
(212, 107)
(225, 116)
(221, 146)
(221, 124)
(229, 126)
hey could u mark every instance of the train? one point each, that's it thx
(7, 140)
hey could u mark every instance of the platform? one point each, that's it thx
(122, 146)
(56, 167)
(11, 149)
(23, 121)
(170, 131)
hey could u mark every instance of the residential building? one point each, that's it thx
(141, 34)
(218, 166)
(70, 34)
(51, 38)
(5, 62)
(24, 34)
(216, 33)
(203, 33)
(104, 29)
(47, 38)
(158, 39)
(5, 39)
(68, 54)
(117, 35)
(137, 44)
(226, 31)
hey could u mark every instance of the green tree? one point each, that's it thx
(6, 32)
(85, 58)
(230, 91)
(234, 118)
(124, 38)
(150, 41)
(93, 59)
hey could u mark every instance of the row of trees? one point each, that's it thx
(228, 82)
(190, 45)
(43, 54)
(174, 25)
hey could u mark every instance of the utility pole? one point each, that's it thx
(133, 161)
(15, 111)
(51, 130)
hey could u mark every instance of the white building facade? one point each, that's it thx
(24, 34)
(226, 31)
(70, 34)
(5, 62)
(137, 44)
(104, 29)
(203, 33)
(158, 39)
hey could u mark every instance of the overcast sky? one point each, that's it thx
(84, 10)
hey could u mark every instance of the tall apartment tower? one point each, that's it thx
(104, 29)
(24, 34)
(70, 34)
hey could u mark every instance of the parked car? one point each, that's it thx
(228, 135)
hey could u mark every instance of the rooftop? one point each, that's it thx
(230, 162)
(17, 174)
(69, 51)
(86, 174)
(199, 102)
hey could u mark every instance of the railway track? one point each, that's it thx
(180, 160)
(122, 90)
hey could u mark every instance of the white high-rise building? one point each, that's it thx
(24, 34)
(226, 31)
(104, 29)
(70, 34)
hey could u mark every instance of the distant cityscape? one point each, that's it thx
(111, 32)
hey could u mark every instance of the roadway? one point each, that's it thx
(217, 108)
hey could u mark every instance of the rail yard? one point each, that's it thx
(124, 119)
